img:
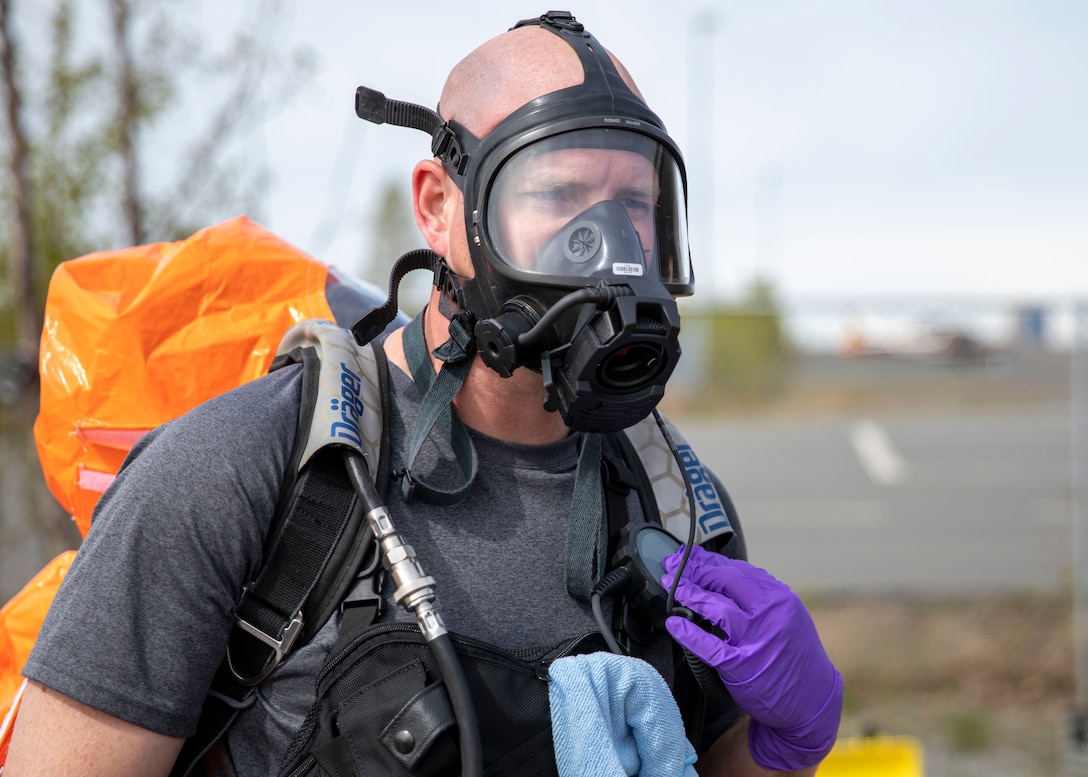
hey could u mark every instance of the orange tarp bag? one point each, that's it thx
(132, 339)
(135, 338)
(20, 620)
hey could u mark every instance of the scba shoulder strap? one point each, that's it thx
(319, 544)
(679, 482)
(313, 565)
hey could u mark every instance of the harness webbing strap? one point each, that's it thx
(216, 716)
(438, 393)
(291, 568)
(587, 540)
(276, 597)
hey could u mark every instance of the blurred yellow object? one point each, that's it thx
(877, 756)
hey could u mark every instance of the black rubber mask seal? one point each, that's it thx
(603, 100)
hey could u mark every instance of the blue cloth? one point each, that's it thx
(614, 715)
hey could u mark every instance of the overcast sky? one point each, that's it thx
(854, 145)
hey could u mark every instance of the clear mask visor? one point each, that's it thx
(589, 203)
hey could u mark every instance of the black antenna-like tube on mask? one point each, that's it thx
(373, 106)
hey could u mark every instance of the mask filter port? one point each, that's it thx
(639, 354)
(614, 372)
(631, 367)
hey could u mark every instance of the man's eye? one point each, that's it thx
(637, 205)
(555, 194)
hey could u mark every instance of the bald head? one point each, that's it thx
(508, 71)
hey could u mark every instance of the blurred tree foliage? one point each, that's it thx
(122, 125)
(393, 233)
(743, 352)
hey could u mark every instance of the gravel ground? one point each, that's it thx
(986, 683)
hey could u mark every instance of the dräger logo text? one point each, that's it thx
(709, 511)
(349, 406)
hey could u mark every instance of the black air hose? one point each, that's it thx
(415, 591)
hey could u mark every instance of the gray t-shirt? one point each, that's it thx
(139, 627)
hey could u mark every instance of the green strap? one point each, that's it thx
(587, 544)
(456, 355)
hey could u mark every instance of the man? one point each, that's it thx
(139, 627)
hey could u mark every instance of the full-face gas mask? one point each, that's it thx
(575, 213)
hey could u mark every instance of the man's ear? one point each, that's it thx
(440, 214)
(430, 195)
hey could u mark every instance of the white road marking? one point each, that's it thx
(877, 453)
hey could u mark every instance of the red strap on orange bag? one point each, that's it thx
(136, 337)
(132, 339)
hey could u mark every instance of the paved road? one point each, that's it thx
(947, 501)
(952, 501)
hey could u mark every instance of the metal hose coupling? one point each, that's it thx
(415, 591)
(414, 588)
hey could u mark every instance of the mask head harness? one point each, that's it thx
(577, 230)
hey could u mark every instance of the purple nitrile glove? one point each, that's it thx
(771, 659)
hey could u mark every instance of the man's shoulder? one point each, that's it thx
(273, 393)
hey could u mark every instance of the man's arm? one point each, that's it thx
(729, 757)
(55, 735)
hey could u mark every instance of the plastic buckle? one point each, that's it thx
(407, 484)
(441, 140)
(363, 605)
(561, 20)
(367, 588)
(280, 647)
(564, 20)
